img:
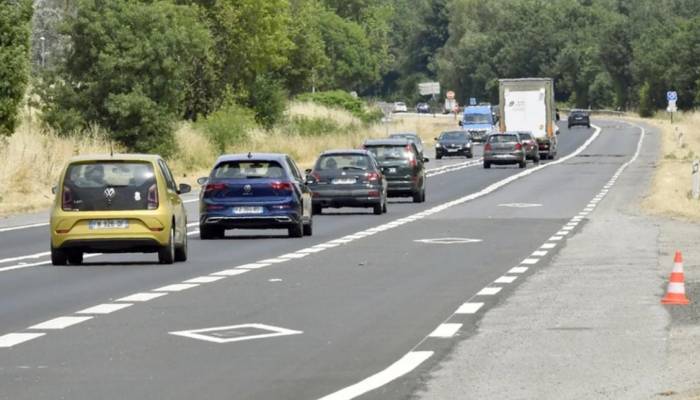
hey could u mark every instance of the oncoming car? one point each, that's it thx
(254, 191)
(118, 204)
(453, 143)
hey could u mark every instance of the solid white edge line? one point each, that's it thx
(176, 287)
(20, 258)
(445, 330)
(204, 279)
(60, 322)
(20, 227)
(404, 365)
(13, 339)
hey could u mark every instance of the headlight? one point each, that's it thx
(468, 145)
(438, 145)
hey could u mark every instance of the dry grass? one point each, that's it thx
(670, 192)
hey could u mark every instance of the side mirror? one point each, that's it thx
(202, 181)
(308, 171)
(184, 188)
(426, 159)
(54, 189)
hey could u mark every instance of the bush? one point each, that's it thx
(646, 103)
(305, 126)
(229, 125)
(15, 17)
(343, 100)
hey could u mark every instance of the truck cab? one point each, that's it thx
(479, 121)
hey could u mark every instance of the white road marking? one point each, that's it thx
(274, 261)
(106, 308)
(311, 250)
(518, 270)
(488, 291)
(293, 255)
(406, 364)
(520, 205)
(192, 233)
(11, 339)
(60, 322)
(204, 279)
(562, 233)
(20, 227)
(555, 238)
(31, 256)
(253, 266)
(231, 272)
(141, 297)
(530, 261)
(539, 253)
(469, 308)
(548, 246)
(274, 280)
(448, 240)
(36, 264)
(505, 279)
(201, 334)
(177, 287)
(445, 331)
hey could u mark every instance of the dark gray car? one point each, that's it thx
(453, 143)
(347, 178)
(412, 136)
(504, 148)
(532, 151)
(402, 166)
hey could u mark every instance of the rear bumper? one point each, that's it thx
(398, 188)
(250, 222)
(120, 245)
(459, 152)
(584, 122)
(506, 158)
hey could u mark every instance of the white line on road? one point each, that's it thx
(12, 339)
(204, 279)
(31, 256)
(60, 322)
(406, 364)
(141, 297)
(555, 238)
(548, 246)
(254, 265)
(488, 291)
(445, 331)
(539, 253)
(231, 272)
(530, 261)
(517, 270)
(20, 227)
(106, 308)
(176, 287)
(505, 279)
(469, 308)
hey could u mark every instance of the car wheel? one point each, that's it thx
(522, 164)
(181, 252)
(166, 254)
(422, 196)
(377, 208)
(416, 197)
(210, 232)
(316, 209)
(58, 257)
(309, 228)
(384, 207)
(438, 156)
(589, 126)
(487, 165)
(536, 160)
(470, 155)
(75, 257)
(296, 230)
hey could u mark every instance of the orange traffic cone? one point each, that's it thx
(676, 285)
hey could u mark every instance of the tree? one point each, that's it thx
(131, 68)
(15, 18)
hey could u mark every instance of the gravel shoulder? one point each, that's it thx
(590, 325)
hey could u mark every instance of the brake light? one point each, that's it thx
(487, 147)
(214, 207)
(281, 186)
(152, 197)
(373, 193)
(372, 176)
(67, 199)
(412, 162)
(214, 186)
(518, 146)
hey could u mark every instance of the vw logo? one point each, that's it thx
(247, 188)
(109, 193)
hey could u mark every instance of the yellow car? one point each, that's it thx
(118, 204)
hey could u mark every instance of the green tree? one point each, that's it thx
(646, 101)
(131, 69)
(307, 58)
(15, 17)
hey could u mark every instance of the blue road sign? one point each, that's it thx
(671, 95)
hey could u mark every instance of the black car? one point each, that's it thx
(579, 117)
(347, 178)
(453, 143)
(402, 166)
(412, 136)
(422, 108)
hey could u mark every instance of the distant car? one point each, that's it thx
(254, 191)
(347, 178)
(402, 166)
(453, 143)
(580, 118)
(504, 148)
(423, 108)
(400, 106)
(118, 204)
(413, 137)
(532, 151)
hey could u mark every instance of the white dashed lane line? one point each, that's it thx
(13, 339)
(204, 279)
(232, 272)
(142, 297)
(488, 291)
(177, 287)
(445, 331)
(106, 308)
(469, 308)
(518, 270)
(60, 323)
(505, 279)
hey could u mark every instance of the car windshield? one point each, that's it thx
(336, 162)
(503, 138)
(96, 186)
(476, 119)
(454, 136)
(389, 152)
(248, 169)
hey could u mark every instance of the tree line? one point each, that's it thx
(135, 67)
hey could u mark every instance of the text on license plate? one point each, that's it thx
(247, 210)
(108, 224)
(392, 170)
(348, 181)
(452, 150)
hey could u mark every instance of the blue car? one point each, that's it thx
(254, 191)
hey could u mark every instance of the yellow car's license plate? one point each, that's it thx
(108, 224)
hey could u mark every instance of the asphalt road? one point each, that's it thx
(359, 295)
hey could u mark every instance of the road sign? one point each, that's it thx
(450, 95)
(671, 96)
(429, 88)
(472, 101)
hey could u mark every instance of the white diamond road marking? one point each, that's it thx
(488, 291)
(517, 270)
(204, 279)
(106, 308)
(176, 287)
(505, 279)
(469, 308)
(201, 334)
(445, 330)
(448, 240)
(141, 297)
(60, 323)
(12, 339)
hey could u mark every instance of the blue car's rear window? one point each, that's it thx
(249, 169)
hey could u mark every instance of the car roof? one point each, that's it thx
(455, 131)
(396, 134)
(478, 109)
(387, 142)
(252, 157)
(116, 157)
(346, 151)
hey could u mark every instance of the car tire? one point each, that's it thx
(75, 257)
(589, 126)
(58, 257)
(438, 156)
(377, 209)
(422, 196)
(470, 155)
(522, 164)
(210, 232)
(316, 209)
(536, 160)
(296, 230)
(487, 165)
(166, 254)
(181, 252)
(309, 228)
(384, 207)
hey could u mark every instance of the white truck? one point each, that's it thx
(527, 105)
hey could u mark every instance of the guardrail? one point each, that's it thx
(597, 112)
